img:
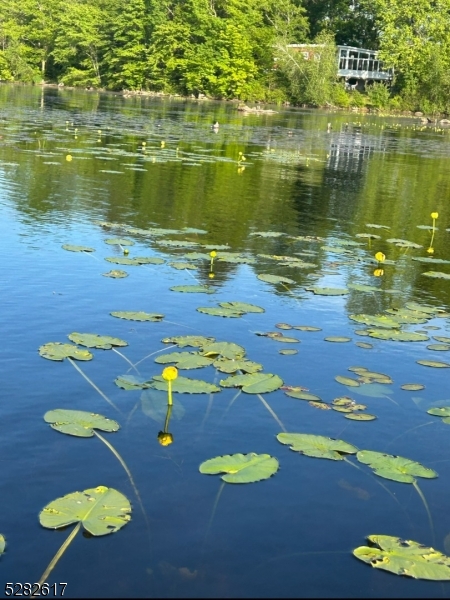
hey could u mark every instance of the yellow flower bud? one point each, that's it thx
(378, 272)
(211, 275)
(434, 215)
(69, 157)
(170, 373)
(213, 254)
(165, 439)
(126, 251)
(380, 257)
(430, 250)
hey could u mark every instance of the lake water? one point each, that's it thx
(153, 172)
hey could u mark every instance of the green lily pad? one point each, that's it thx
(268, 234)
(347, 381)
(337, 339)
(433, 363)
(116, 274)
(360, 287)
(412, 387)
(443, 411)
(73, 248)
(287, 351)
(279, 337)
(300, 395)
(93, 340)
(284, 326)
(193, 289)
(437, 274)
(131, 382)
(439, 347)
(360, 417)
(325, 291)
(119, 242)
(185, 360)
(196, 341)
(122, 260)
(404, 557)
(224, 350)
(369, 236)
(242, 307)
(225, 365)
(58, 351)
(374, 226)
(373, 390)
(376, 320)
(254, 383)
(79, 422)
(2, 544)
(101, 510)
(397, 336)
(241, 468)
(274, 278)
(149, 260)
(306, 328)
(364, 345)
(428, 259)
(392, 467)
(442, 338)
(182, 265)
(424, 308)
(343, 409)
(137, 316)
(317, 446)
(184, 385)
(216, 311)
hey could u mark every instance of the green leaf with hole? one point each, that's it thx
(254, 383)
(185, 360)
(93, 340)
(241, 468)
(326, 291)
(317, 446)
(193, 289)
(226, 365)
(79, 422)
(115, 274)
(195, 341)
(101, 510)
(404, 557)
(242, 307)
(119, 242)
(274, 278)
(433, 363)
(228, 350)
(58, 351)
(396, 468)
(216, 311)
(130, 315)
(73, 248)
(184, 385)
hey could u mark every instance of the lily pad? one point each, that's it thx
(274, 278)
(360, 287)
(441, 338)
(397, 336)
(224, 350)
(287, 351)
(317, 446)
(433, 363)
(396, 468)
(241, 468)
(122, 260)
(306, 328)
(337, 339)
(184, 385)
(195, 341)
(326, 291)
(116, 274)
(443, 411)
(193, 289)
(242, 307)
(182, 265)
(347, 381)
(301, 395)
(254, 383)
(439, 347)
(137, 316)
(428, 259)
(73, 248)
(412, 387)
(58, 351)
(79, 422)
(373, 390)
(225, 365)
(149, 260)
(216, 311)
(284, 326)
(437, 274)
(131, 382)
(185, 360)
(93, 340)
(101, 510)
(404, 557)
(119, 242)
(360, 417)
(376, 320)
(364, 345)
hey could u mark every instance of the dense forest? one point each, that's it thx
(230, 48)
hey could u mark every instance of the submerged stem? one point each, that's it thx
(266, 404)
(127, 471)
(407, 431)
(232, 401)
(213, 512)
(60, 552)
(75, 366)
(127, 359)
(425, 503)
(153, 353)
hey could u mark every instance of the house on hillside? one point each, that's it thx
(356, 66)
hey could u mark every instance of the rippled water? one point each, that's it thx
(146, 164)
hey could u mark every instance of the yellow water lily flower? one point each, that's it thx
(380, 257)
(430, 250)
(165, 439)
(69, 157)
(378, 272)
(434, 215)
(170, 373)
(213, 254)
